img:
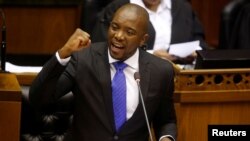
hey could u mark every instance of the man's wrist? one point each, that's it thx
(62, 61)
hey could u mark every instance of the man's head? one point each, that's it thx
(127, 31)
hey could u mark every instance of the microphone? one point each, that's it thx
(3, 43)
(137, 79)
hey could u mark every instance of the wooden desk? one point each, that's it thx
(10, 107)
(25, 78)
(206, 97)
(203, 97)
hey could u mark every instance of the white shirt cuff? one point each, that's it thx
(62, 61)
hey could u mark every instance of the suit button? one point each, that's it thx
(116, 137)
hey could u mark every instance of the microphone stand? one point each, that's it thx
(137, 79)
(3, 43)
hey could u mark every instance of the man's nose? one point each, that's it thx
(119, 35)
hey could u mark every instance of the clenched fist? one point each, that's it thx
(78, 40)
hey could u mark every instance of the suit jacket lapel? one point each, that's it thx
(103, 72)
(144, 82)
(144, 72)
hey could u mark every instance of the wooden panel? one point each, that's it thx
(9, 87)
(25, 78)
(10, 107)
(194, 118)
(222, 96)
(213, 80)
(209, 12)
(39, 30)
(10, 120)
(209, 102)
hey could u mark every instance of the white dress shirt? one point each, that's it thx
(162, 23)
(132, 88)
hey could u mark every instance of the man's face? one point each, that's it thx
(126, 34)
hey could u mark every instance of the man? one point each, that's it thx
(171, 22)
(91, 73)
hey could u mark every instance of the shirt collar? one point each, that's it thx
(132, 61)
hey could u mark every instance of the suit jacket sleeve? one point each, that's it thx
(165, 121)
(50, 84)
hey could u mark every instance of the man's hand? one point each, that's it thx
(175, 59)
(78, 40)
(164, 55)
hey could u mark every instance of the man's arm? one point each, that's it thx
(43, 89)
(52, 82)
(165, 122)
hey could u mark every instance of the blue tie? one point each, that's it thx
(119, 95)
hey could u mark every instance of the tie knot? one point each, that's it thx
(119, 66)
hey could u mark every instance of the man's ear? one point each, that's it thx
(144, 39)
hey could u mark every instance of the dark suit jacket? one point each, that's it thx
(240, 38)
(185, 25)
(88, 76)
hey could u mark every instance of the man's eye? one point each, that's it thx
(130, 32)
(114, 27)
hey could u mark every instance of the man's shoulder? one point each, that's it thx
(98, 47)
(98, 44)
(158, 66)
(157, 61)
